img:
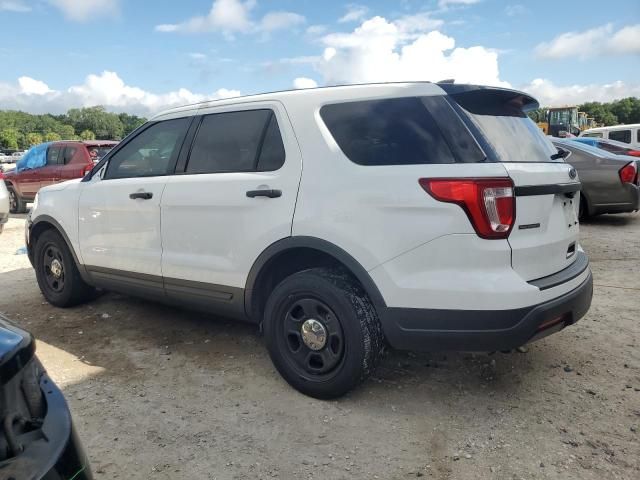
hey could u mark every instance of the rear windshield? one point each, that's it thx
(509, 132)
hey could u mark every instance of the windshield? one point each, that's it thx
(515, 138)
(96, 153)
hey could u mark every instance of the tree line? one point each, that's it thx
(626, 110)
(20, 130)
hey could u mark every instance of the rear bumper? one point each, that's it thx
(483, 330)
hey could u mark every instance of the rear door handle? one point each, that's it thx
(270, 193)
(141, 195)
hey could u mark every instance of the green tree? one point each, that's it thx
(66, 132)
(9, 138)
(52, 137)
(31, 139)
(87, 135)
(130, 122)
(105, 125)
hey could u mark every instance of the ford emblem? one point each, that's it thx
(572, 173)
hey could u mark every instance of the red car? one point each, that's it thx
(64, 160)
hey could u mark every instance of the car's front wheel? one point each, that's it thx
(57, 274)
(322, 332)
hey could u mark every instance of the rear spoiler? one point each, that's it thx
(484, 100)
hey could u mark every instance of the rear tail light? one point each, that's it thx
(489, 203)
(87, 169)
(629, 173)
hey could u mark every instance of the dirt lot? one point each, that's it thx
(163, 393)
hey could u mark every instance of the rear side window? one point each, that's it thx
(243, 141)
(397, 131)
(592, 135)
(620, 135)
(69, 153)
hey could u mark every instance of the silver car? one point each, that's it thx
(610, 182)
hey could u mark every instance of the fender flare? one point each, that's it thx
(54, 223)
(288, 243)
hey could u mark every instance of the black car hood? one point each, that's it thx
(16, 349)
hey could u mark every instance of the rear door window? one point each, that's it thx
(244, 141)
(620, 135)
(54, 155)
(396, 131)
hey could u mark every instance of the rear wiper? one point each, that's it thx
(562, 153)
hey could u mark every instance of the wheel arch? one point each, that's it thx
(41, 225)
(293, 254)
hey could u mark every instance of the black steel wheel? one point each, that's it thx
(312, 336)
(53, 266)
(57, 274)
(322, 332)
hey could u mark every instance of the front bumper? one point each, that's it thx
(420, 329)
(56, 454)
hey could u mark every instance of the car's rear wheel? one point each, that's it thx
(57, 274)
(16, 203)
(322, 332)
(583, 210)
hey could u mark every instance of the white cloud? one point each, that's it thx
(515, 10)
(279, 20)
(84, 10)
(106, 89)
(549, 94)
(234, 16)
(18, 6)
(197, 56)
(354, 13)
(30, 86)
(603, 40)
(380, 50)
(314, 30)
(304, 82)
(448, 3)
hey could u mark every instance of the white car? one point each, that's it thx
(427, 216)
(4, 205)
(629, 135)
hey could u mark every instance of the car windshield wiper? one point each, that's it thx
(562, 153)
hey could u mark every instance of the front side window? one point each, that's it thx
(242, 141)
(620, 135)
(151, 152)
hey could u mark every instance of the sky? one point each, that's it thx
(144, 56)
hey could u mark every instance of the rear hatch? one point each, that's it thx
(544, 238)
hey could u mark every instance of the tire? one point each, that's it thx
(60, 281)
(353, 340)
(16, 203)
(583, 211)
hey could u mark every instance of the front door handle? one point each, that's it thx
(141, 195)
(270, 193)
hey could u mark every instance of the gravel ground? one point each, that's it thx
(162, 393)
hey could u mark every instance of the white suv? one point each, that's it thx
(428, 216)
